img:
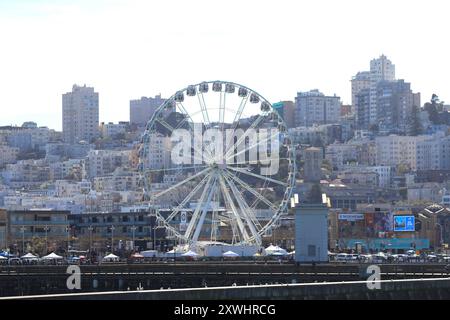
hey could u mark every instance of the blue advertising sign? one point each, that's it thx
(404, 223)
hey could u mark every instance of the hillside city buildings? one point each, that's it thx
(385, 154)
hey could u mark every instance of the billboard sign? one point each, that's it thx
(404, 223)
(351, 216)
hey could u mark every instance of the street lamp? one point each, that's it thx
(46, 228)
(441, 234)
(22, 229)
(112, 238)
(133, 229)
(90, 240)
(68, 240)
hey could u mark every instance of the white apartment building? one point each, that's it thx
(383, 173)
(430, 191)
(66, 188)
(120, 180)
(80, 109)
(103, 162)
(313, 107)
(425, 152)
(382, 69)
(434, 153)
(72, 168)
(159, 150)
(339, 154)
(112, 129)
(362, 80)
(7, 154)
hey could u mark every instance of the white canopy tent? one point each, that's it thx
(29, 256)
(230, 254)
(111, 257)
(52, 256)
(275, 251)
(190, 253)
(3, 258)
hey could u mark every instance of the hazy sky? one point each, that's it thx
(133, 48)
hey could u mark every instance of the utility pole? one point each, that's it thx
(68, 240)
(46, 239)
(112, 238)
(22, 229)
(90, 240)
(133, 230)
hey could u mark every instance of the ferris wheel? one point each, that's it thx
(217, 164)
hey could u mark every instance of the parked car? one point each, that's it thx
(353, 257)
(14, 261)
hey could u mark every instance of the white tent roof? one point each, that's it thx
(278, 253)
(230, 254)
(111, 256)
(3, 258)
(52, 256)
(29, 256)
(190, 253)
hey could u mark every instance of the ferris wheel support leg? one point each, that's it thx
(188, 197)
(193, 220)
(228, 198)
(245, 210)
(205, 210)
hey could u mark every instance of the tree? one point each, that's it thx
(315, 194)
(374, 128)
(434, 107)
(415, 126)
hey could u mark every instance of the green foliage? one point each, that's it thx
(415, 126)
(434, 107)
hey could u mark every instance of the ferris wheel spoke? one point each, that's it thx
(244, 171)
(251, 162)
(201, 101)
(186, 200)
(242, 138)
(253, 191)
(200, 156)
(249, 215)
(222, 109)
(233, 208)
(182, 182)
(165, 124)
(146, 171)
(237, 118)
(193, 131)
(252, 146)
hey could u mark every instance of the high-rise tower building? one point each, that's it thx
(80, 115)
(142, 110)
